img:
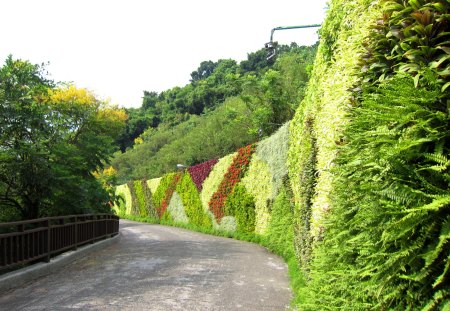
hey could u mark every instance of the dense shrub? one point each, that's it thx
(240, 204)
(386, 242)
(321, 116)
(280, 231)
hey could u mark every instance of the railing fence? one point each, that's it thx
(39, 239)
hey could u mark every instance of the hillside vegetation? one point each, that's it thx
(226, 106)
(354, 191)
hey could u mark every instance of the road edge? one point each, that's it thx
(18, 278)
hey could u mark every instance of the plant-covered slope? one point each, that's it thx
(373, 192)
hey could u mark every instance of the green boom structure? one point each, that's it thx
(271, 46)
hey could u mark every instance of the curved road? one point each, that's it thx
(154, 267)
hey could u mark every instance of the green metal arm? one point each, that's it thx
(271, 46)
(291, 27)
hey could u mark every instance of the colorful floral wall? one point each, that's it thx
(210, 194)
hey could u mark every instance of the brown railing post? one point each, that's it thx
(93, 229)
(76, 232)
(47, 258)
(21, 229)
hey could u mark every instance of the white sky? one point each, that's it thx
(119, 48)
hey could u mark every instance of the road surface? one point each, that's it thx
(154, 267)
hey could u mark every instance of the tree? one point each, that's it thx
(26, 134)
(89, 130)
(51, 140)
(205, 69)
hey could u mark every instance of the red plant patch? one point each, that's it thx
(234, 174)
(169, 192)
(200, 171)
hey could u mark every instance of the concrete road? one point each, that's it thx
(154, 267)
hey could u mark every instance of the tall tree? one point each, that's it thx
(51, 140)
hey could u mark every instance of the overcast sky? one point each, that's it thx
(119, 48)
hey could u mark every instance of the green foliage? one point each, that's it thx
(273, 97)
(51, 141)
(123, 205)
(160, 192)
(303, 209)
(280, 231)
(387, 242)
(326, 103)
(197, 140)
(273, 151)
(140, 199)
(258, 182)
(153, 184)
(143, 199)
(240, 204)
(134, 198)
(412, 37)
(191, 202)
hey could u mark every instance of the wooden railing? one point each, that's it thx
(22, 242)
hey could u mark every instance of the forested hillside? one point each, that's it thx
(354, 191)
(226, 106)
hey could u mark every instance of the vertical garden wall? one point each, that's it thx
(354, 192)
(210, 194)
(369, 159)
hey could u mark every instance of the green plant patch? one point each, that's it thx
(177, 210)
(192, 203)
(273, 151)
(153, 184)
(258, 182)
(134, 199)
(241, 205)
(163, 194)
(328, 99)
(124, 206)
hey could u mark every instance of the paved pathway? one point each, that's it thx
(154, 267)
